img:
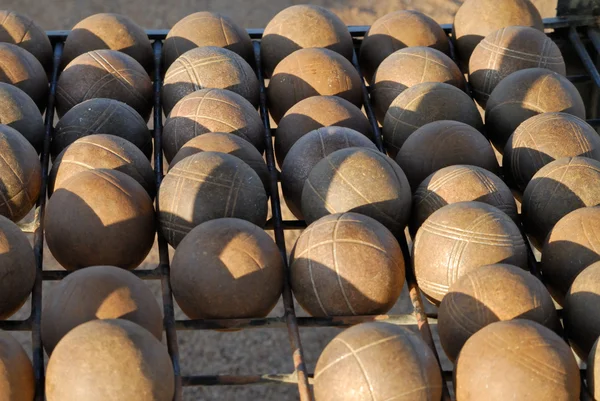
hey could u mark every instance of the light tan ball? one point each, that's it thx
(20, 68)
(592, 374)
(18, 111)
(22, 31)
(17, 380)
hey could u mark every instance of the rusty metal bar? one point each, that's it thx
(583, 54)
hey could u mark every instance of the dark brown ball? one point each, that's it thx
(440, 144)
(592, 375)
(209, 67)
(303, 26)
(20, 30)
(329, 74)
(517, 357)
(377, 360)
(307, 152)
(100, 217)
(129, 363)
(20, 68)
(208, 186)
(18, 111)
(425, 103)
(313, 113)
(226, 269)
(17, 381)
(524, 94)
(459, 238)
(211, 110)
(98, 292)
(104, 74)
(358, 180)
(346, 264)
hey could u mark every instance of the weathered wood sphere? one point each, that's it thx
(20, 68)
(377, 360)
(593, 374)
(303, 26)
(207, 186)
(128, 363)
(358, 180)
(100, 217)
(98, 292)
(459, 238)
(425, 103)
(329, 74)
(17, 380)
(18, 111)
(211, 110)
(225, 269)
(20, 30)
(517, 357)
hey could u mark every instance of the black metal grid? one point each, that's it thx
(569, 28)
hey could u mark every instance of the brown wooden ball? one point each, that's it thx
(18, 111)
(100, 217)
(440, 144)
(208, 186)
(226, 269)
(307, 152)
(459, 238)
(490, 294)
(358, 180)
(98, 292)
(395, 31)
(377, 360)
(544, 138)
(475, 19)
(21, 174)
(524, 94)
(20, 68)
(312, 72)
(507, 50)
(104, 74)
(209, 67)
(303, 26)
(20, 30)
(17, 380)
(346, 264)
(313, 113)
(109, 31)
(425, 103)
(517, 357)
(110, 359)
(106, 152)
(592, 374)
(555, 190)
(211, 110)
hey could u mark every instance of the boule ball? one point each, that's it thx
(592, 375)
(358, 180)
(227, 268)
(230, 144)
(380, 360)
(98, 292)
(460, 183)
(517, 357)
(206, 28)
(209, 67)
(129, 363)
(459, 238)
(346, 264)
(408, 67)
(524, 94)
(544, 138)
(303, 26)
(207, 186)
(106, 152)
(100, 217)
(112, 32)
(507, 50)
(17, 380)
(555, 190)
(21, 174)
(490, 294)
(425, 103)
(101, 116)
(313, 113)
(441, 144)
(211, 110)
(307, 152)
(104, 74)
(395, 31)
(20, 68)
(475, 19)
(20, 30)
(18, 111)
(329, 74)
